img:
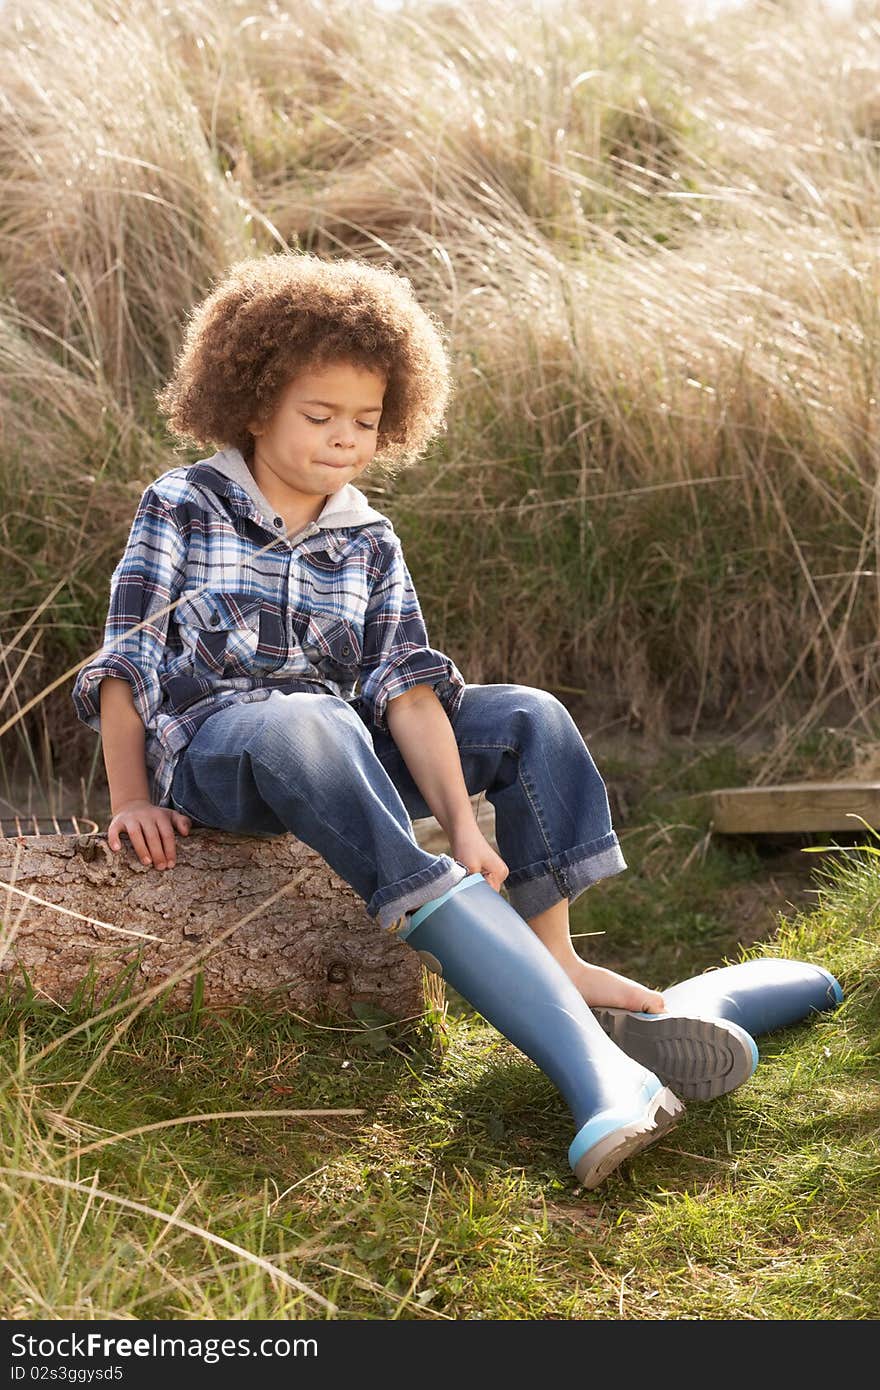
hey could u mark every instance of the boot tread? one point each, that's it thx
(700, 1057)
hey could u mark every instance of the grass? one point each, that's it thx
(440, 1189)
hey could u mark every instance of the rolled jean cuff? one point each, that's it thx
(564, 876)
(410, 893)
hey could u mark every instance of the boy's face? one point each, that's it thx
(321, 436)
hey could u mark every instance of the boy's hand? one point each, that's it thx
(150, 829)
(471, 848)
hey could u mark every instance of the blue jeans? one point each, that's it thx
(312, 765)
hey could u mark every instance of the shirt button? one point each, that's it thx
(215, 618)
(279, 521)
(346, 651)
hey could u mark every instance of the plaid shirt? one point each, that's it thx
(212, 603)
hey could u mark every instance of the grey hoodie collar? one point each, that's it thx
(347, 507)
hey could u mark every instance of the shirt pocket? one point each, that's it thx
(328, 581)
(226, 633)
(335, 647)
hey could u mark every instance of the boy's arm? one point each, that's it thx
(143, 587)
(421, 729)
(397, 655)
(122, 743)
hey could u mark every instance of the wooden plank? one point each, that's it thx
(795, 807)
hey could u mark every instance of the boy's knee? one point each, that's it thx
(526, 706)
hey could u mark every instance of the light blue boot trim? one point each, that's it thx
(614, 1118)
(835, 984)
(431, 906)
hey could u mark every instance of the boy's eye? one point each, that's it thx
(313, 421)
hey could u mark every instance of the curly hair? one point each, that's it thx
(272, 316)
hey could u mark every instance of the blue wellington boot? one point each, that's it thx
(480, 944)
(704, 1044)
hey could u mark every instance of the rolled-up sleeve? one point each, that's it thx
(146, 581)
(397, 654)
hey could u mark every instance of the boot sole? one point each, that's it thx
(700, 1057)
(662, 1114)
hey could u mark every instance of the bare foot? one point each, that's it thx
(599, 987)
(604, 987)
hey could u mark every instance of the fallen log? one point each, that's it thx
(68, 900)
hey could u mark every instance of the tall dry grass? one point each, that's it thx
(653, 243)
(651, 237)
